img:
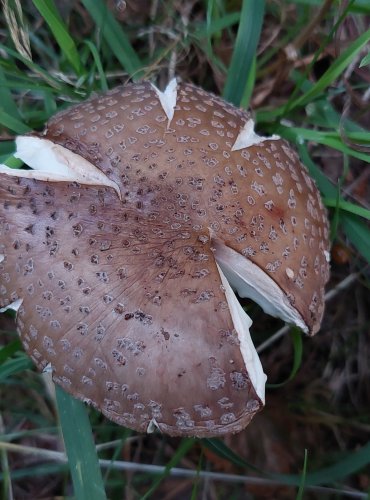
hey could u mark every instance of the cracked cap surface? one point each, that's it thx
(123, 297)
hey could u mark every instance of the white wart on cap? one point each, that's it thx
(123, 251)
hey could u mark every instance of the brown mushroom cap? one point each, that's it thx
(124, 285)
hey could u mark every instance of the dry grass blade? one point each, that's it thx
(17, 27)
(7, 490)
(176, 471)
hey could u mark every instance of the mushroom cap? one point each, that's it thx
(124, 280)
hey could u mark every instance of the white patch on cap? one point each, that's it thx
(47, 377)
(48, 368)
(152, 426)
(327, 255)
(168, 98)
(247, 137)
(2, 257)
(289, 272)
(14, 306)
(52, 162)
(252, 282)
(242, 324)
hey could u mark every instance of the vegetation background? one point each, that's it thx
(303, 66)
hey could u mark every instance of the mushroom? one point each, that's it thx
(122, 246)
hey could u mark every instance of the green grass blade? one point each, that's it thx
(361, 6)
(303, 480)
(222, 450)
(36, 69)
(301, 82)
(13, 162)
(196, 483)
(215, 26)
(12, 123)
(358, 233)
(80, 447)
(115, 37)
(13, 366)
(324, 184)
(334, 223)
(334, 71)
(6, 148)
(331, 139)
(6, 98)
(347, 207)
(296, 336)
(9, 350)
(245, 50)
(7, 491)
(365, 61)
(94, 51)
(181, 451)
(353, 462)
(52, 17)
(248, 91)
(208, 37)
(36, 471)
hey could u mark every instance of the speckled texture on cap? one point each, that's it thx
(123, 297)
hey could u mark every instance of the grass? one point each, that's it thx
(311, 87)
